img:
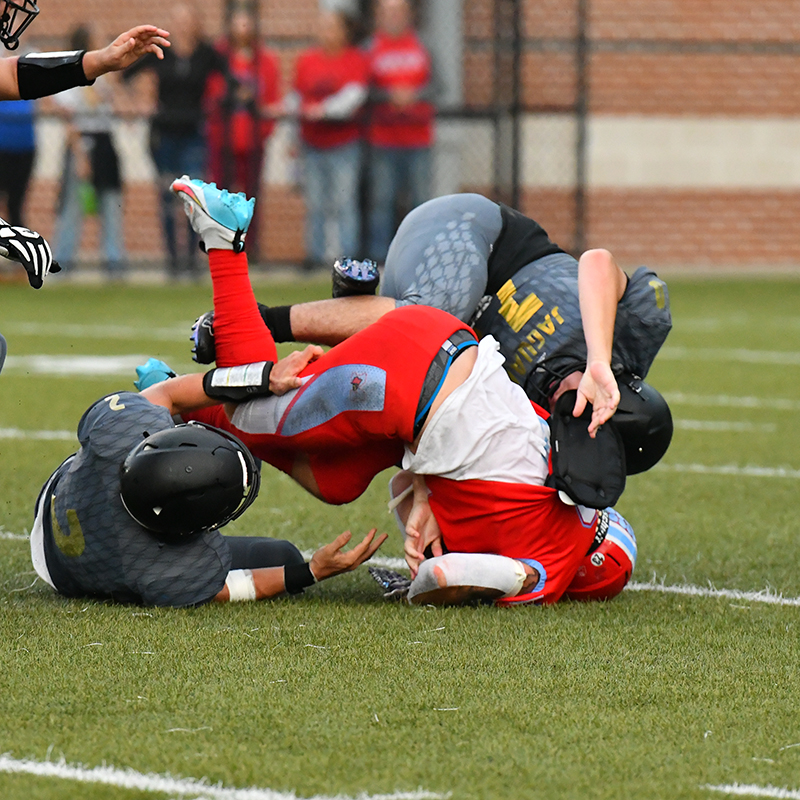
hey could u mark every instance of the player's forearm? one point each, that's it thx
(9, 87)
(332, 321)
(256, 584)
(600, 286)
(180, 395)
(263, 583)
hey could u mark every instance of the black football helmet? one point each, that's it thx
(644, 422)
(188, 479)
(15, 16)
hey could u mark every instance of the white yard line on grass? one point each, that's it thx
(740, 355)
(13, 537)
(18, 433)
(68, 365)
(732, 401)
(78, 331)
(176, 787)
(724, 426)
(687, 589)
(751, 790)
(750, 471)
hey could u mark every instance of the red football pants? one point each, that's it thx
(357, 408)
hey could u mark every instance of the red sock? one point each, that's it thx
(240, 335)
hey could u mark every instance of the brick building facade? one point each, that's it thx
(692, 132)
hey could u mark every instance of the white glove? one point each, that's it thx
(30, 249)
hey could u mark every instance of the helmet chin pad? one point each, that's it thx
(644, 423)
(188, 479)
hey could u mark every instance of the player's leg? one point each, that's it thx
(258, 552)
(438, 258)
(221, 220)
(440, 253)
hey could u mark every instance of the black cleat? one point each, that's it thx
(204, 350)
(353, 277)
(395, 586)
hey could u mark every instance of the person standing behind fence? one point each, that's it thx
(90, 181)
(330, 87)
(239, 121)
(17, 152)
(400, 129)
(177, 137)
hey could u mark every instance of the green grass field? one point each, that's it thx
(653, 695)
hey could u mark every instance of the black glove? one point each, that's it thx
(30, 249)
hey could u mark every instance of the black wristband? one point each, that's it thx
(277, 319)
(297, 576)
(43, 74)
(237, 384)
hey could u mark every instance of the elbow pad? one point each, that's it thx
(235, 384)
(43, 74)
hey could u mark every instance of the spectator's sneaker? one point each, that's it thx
(395, 586)
(351, 277)
(205, 349)
(220, 218)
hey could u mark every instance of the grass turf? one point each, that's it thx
(337, 692)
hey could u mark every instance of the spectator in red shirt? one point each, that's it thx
(330, 87)
(239, 121)
(400, 130)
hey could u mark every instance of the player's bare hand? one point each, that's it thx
(125, 50)
(599, 387)
(332, 560)
(422, 531)
(284, 375)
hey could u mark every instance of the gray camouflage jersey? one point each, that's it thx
(498, 271)
(93, 547)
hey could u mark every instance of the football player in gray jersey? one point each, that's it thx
(562, 324)
(134, 515)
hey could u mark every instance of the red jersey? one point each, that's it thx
(318, 76)
(399, 63)
(259, 80)
(517, 520)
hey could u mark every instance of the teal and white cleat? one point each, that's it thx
(220, 218)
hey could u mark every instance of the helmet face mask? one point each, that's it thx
(15, 16)
(188, 479)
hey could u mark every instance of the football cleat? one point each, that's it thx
(353, 277)
(220, 218)
(395, 586)
(204, 350)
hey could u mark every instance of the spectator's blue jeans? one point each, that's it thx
(331, 191)
(70, 223)
(175, 156)
(392, 169)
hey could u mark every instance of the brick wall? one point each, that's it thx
(683, 63)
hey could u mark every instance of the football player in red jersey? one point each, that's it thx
(415, 386)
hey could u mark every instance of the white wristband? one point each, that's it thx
(241, 585)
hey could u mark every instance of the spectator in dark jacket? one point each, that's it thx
(177, 140)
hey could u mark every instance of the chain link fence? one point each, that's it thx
(527, 97)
